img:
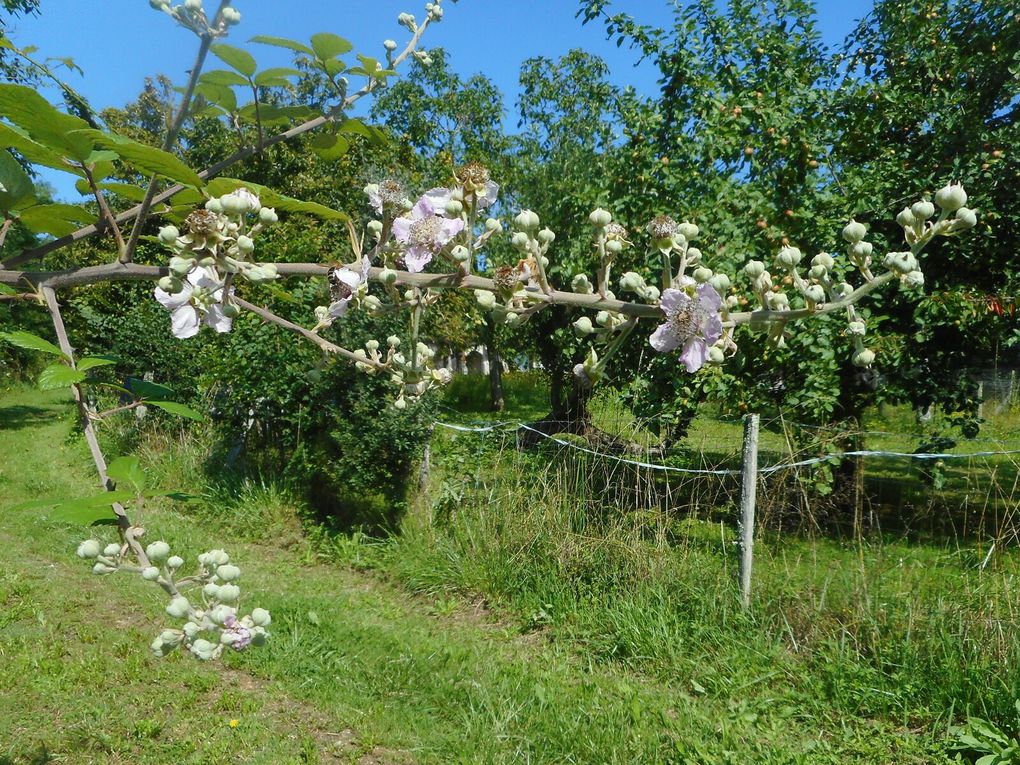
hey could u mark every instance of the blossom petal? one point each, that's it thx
(673, 299)
(709, 297)
(422, 209)
(184, 321)
(218, 320)
(488, 197)
(664, 339)
(402, 228)
(416, 258)
(695, 354)
(172, 302)
(207, 278)
(712, 329)
(339, 308)
(449, 229)
(438, 198)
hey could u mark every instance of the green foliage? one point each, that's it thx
(985, 743)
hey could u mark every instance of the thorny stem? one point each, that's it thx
(213, 170)
(4, 229)
(323, 343)
(128, 252)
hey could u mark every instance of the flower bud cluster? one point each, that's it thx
(954, 218)
(191, 15)
(211, 621)
(220, 236)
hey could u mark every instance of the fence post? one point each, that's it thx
(748, 490)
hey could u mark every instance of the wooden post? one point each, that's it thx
(748, 491)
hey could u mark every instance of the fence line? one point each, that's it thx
(728, 471)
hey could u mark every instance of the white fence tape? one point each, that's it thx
(722, 471)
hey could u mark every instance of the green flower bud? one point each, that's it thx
(631, 281)
(864, 358)
(818, 272)
(754, 268)
(170, 284)
(204, 650)
(951, 197)
(965, 219)
(912, 279)
(158, 552)
(854, 231)
(702, 275)
(906, 218)
(231, 311)
(214, 206)
(512, 319)
(388, 276)
(716, 355)
(789, 257)
(922, 210)
(156, 646)
(454, 208)
(527, 220)
(175, 561)
(178, 607)
(112, 550)
(211, 590)
(860, 250)
(721, 282)
(778, 301)
(856, 328)
(520, 241)
(581, 285)
(843, 289)
(228, 573)
(485, 299)
(823, 259)
(602, 318)
(102, 568)
(461, 254)
(190, 629)
(900, 262)
(546, 236)
(688, 231)
(260, 617)
(229, 593)
(245, 244)
(492, 224)
(268, 215)
(600, 218)
(89, 549)
(614, 246)
(693, 255)
(150, 574)
(651, 293)
(168, 234)
(193, 5)
(181, 267)
(815, 293)
(400, 403)
(393, 341)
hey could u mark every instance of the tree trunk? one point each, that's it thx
(495, 366)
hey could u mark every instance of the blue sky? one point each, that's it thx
(120, 45)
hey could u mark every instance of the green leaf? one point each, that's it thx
(31, 342)
(276, 77)
(224, 77)
(128, 191)
(13, 137)
(127, 470)
(149, 391)
(6, 289)
(275, 115)
(90, 510)
(59, 376)
(179, 409)
(220, 95)
(240, 60)
(357, 127)
(327, 45)
(16, 189)
(91, 362)
(329, 145)
(55, 219)
(46, 125)
(147, 158)
(220, 186)
(283, 42)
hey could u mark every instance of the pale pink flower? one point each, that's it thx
(692, 324)
(424, 231)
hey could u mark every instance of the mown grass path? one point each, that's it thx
(356, 670)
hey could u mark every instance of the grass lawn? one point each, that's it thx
(471, 640)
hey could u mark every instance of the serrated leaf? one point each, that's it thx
(13, 137)
(45, 124)
(16, 189)
(224, 77)
(59, 376)
(149, 391)
(55, 219)
(148, 158)
(31, 342)
(128, 191)
(276, 77)
(329, 145)
(179, 409)
(220, 95)
(91, 362)
(328, 45)
(127, 470)
(283, 42)
(241, 60)
(220, 186)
